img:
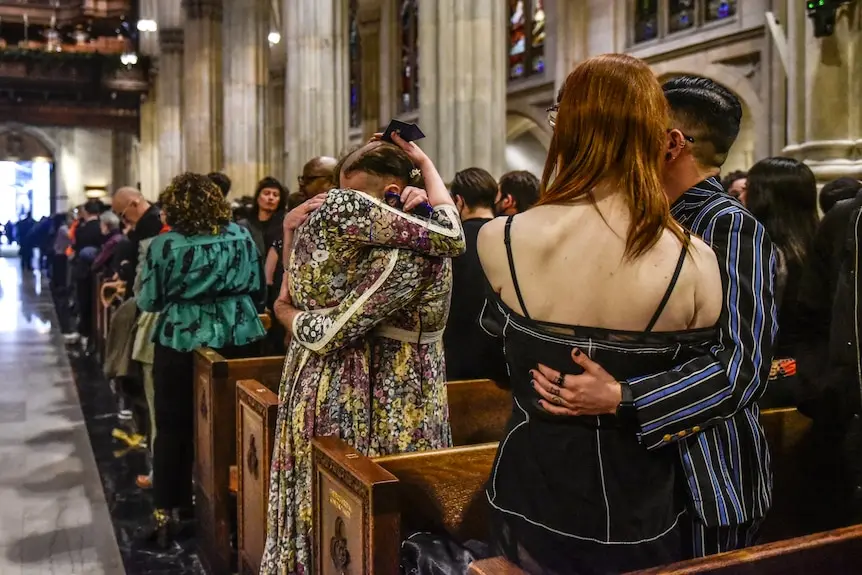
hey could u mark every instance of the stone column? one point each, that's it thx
(462, 72)
(316, 87)
(202, 88)
(824, 89)
(170, 104)
(246, 76)
(571, 37)
(369, 38)
(122, 150)
(148, 153)
(276, 132)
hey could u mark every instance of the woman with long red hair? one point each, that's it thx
(600, 265)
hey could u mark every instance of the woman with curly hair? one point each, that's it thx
(205, 277)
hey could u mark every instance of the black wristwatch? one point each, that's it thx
(626, 408)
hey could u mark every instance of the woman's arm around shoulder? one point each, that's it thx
(708, 294)
(363, 218)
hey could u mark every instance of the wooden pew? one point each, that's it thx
(786, 430)
(256, 413)
(364, 507)
(837, 551)
(215, 382)
(354, 495)
(787, 433)
(478, 412)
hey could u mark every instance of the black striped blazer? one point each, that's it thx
(707, 407)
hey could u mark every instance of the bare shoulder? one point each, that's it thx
(704, 259)
(706, 278)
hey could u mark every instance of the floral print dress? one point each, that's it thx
(359, 266)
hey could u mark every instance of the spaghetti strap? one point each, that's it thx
(507, 239)
(670, 287)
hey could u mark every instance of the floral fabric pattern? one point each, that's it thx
(349, 289)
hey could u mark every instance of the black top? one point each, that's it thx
(149, 226)
(88, 235)
(581, 494)
(265, 233)
(470, 354)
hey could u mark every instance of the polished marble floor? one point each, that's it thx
(54, 518)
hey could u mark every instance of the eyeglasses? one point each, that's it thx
(305, 180)
(552, 115)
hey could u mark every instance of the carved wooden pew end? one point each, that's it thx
(256, 415)
(363, 507)
(215, 386)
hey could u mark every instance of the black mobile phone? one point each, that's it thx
(408, 132)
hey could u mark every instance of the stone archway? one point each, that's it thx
(27, 142)
(526, 144)
(752, 144)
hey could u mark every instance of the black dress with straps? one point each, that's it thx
(581, 494)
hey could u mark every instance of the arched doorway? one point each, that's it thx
(526, 144)
(27, 183)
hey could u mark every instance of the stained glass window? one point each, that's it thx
(719, 9)
(526, 38)
(680, 15)
(646, 20)
(409, 30)
(537, 37)
(355, 65)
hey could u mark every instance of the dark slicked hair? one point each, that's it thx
(476, 187)
(838, 190)
(222, 181)
(522, 186)
(707, 112)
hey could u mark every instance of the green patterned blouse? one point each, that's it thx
(205, 287)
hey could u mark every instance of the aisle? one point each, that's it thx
(53, 515)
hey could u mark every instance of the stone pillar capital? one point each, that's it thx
(171, 40)
(203, 9)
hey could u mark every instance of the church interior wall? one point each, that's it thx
(82, 158)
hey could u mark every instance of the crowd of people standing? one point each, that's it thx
(641, 311)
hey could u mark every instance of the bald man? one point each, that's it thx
(317, 177)
(144, 218)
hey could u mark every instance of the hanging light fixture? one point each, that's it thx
(147, 25)
(274, 38)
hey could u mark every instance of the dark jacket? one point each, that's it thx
(470, 352)
(265, 233)
(126, 254)
(105, 259)
(828, 362)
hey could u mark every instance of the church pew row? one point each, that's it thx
(836, 551)
(215, 380)
(478, 412)
(364, 507)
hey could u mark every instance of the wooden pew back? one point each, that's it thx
(787, 433)
(478, 411)
(837, 551)
(363, 507)
(256, 414)
(215, 445)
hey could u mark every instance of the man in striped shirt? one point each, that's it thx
(706, 407)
